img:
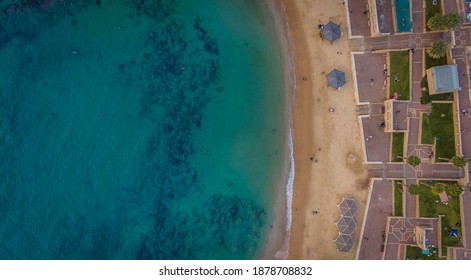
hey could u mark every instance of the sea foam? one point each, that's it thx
(290, 183)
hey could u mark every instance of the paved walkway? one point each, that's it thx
(454, 253)
(380, 207)
(464, 253)
(460, 54)
(359, 24)
(371, 89)
(466, 217)
(424, 171)
(401, 41)
(461, 58)
(401, 231)
(385, 16)
(418, 16)
(452, 6)
(417, 75)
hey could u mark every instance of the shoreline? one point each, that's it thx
(324, 142)
(276, 241)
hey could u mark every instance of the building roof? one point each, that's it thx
(346, 225)
(331, 31)
(344, 242)
(445, 78)
(336, 79)
(348, 207)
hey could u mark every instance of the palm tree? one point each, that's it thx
(413, 189)
(447, 22)
(437, 188)
(438, 49)
(457, 161)
(414, 161)
(455, 189)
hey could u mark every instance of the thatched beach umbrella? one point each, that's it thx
(348, 207)
(331, 32)
(346, 225)
(336, 79)
(344, 242)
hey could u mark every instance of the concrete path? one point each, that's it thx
(359, 18)
(413, 131)
(402, 41)
(424, 171)
(466, 217)
(464, 101)
(464, 253)
(385, 16)
(452, 6)
(371, 92)
(418, 16)
(411, 201)
(372, 243)
(416, 75)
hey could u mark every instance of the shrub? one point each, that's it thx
(447, 22)
(438, 49)
(413, 161)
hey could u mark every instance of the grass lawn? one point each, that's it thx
(432, 62)
(431, 10)
(399, 65)
(439, 125)
(429, 207)
(397, 198)
(397, 146)
(427, 98)
(415, 253)
(448, 96)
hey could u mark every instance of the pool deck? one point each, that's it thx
(418, 15)
(385, 16)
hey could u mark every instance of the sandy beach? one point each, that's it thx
(327, 147)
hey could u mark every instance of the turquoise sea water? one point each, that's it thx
(403, 20)
(138, 129)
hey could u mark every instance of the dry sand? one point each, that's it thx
(331, 139)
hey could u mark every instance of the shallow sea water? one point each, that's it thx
(138, 129)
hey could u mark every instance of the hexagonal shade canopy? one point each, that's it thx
(336, 79)
(346, 225)
(348, 207)
(344, 242)
(331, 32)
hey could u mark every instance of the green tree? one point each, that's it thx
(414, 161)
(437, 189)
(437, 22)
(438, 49)
(459, 162)
(452, 21)
(413, 189)
(454, 189)
(447, 22)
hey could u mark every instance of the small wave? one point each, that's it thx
(290, 183)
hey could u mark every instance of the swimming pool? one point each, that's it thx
(467, 7)
(403, 20)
